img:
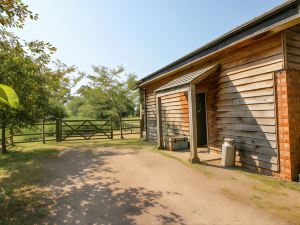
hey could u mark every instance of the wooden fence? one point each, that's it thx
(71, 130)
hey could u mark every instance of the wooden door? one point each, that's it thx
(201, 119)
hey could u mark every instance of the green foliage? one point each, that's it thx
(117, 88)
(22, 67)
(8, 96)
(13, 13)
(43, 86)
(111, 93)
(25, 66)
(57, 89)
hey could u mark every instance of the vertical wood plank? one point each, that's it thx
(145, 114)
(43, 131)
(58, 130)
(159, 123)
(121, 130)
(111, 129)
(193, 126)
(283, 43)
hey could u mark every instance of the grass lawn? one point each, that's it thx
(21, 202)
(24, 199)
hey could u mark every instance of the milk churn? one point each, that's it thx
(228, 152)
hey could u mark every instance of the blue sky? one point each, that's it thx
(142, 35)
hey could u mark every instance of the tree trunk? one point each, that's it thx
(3, 141)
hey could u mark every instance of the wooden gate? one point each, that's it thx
(83, 129)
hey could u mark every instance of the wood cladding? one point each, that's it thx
(292, 47)
(151, 116)
(245, 106)
(240, 100)
(175, 114)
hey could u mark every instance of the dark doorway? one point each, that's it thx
(201, 119)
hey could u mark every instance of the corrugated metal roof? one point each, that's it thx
(185, 79)
(286, 10)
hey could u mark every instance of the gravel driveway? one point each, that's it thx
(106, 185)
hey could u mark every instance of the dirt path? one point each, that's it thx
(111, 186)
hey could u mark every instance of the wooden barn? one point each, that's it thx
(244, 85)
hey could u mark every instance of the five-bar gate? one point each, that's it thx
(83, 129)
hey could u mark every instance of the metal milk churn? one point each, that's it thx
(228, 152)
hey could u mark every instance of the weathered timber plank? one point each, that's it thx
(253, 65)
(250, 114)
(253, 49)
(246, 101)
(256, 135)
(177, 103)
(247, 87)
(257, 163)
(293, 58)
(254, 57)
(247, 94)
(169, 100)
(257, 149)
(175, 111)
(250, 121)
(246, 127)
(175, 123)
(259, 157)
(293, 50)
(292, 42)
(292, 65)
(290, 34)
(248, 80)
(172, 119)
(295, 28)
(174, 107)
(250, 141)
(254, 107)
(176, 95)
(248, 73)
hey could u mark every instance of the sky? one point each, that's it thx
(141, 35)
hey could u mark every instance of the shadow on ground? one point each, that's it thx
(85, 190)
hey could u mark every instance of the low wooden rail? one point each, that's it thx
(131, 126)
(71, 130)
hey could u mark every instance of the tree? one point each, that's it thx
(25, 66)
(58, 85)
(13, 13)
(89, 103)
(118, 89)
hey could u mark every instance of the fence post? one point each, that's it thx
(141, 127)
(58, 130)
(121, 131)
(43, 131)
(11, 136)
(111, 129)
